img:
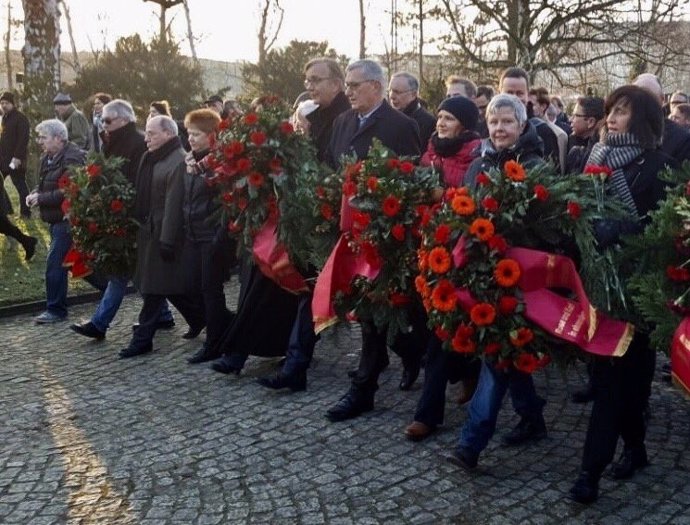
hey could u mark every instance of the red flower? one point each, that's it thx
(243, 164)
(65, 206)
(483, 179)
(482, 228)
(119, 232)
(677, 273)
(94, 170)
(349, 188)
(391, 206)
(406, 167)
(224, 124)
(464, 332)
(326, 211)
(372, 183)
(442, 334)
(541, 193)
(392, 164)
(490, 204)
(233, 148)
(483, 314)
(320, 192)
(286, 128)
(443, 296)
(463, 346)
(255, 179)
(521, 337)
(424, 214)
(514, 171)
(507, 304)
(92, 227)
(233, 227)
(574, 210)
(526, 363)
(275, 164)
(594, 169)
(257, 137)
(398, 232)
(250, 119)
(242, 203)
(442, 234)
(498, 243)
(227, 197)
(116, 205)
(63, 181)
(361, 219)
(492, 348)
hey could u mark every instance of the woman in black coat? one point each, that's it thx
(622, 385)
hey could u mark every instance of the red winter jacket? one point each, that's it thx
(452, 168)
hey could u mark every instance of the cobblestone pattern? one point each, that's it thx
(91, 439)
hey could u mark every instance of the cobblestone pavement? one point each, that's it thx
(91, 439)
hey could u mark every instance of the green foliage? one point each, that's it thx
(281, 74)
(140, 72)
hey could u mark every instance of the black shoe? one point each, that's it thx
(583, 396)
(586, 488)
(88, 330)
(192, 333)
(224, 367)
(160, 325)
(409, 376)
(296, 382)
(525, 430)
(202, 356)
(351, 405)
(132, 352)
(463, 458)
(29, 246)
(631, 459)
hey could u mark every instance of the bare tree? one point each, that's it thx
(362, 30)
(190, 33)
(268, 32)
(164, 6)
(75, 55)
(8, 54)
(41, 54)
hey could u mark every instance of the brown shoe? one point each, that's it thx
(417, 431)
(468, 386)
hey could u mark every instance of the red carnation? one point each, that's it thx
(391, 206)
(507, 304)
(92, 227)
(224, 124)
(442, 234)
(574, 210)
(65, 206)
(275, 164)
(116, 205)
(94, 170)
(243, 164)
(594, 169)
(286, 128)
(234, 148)
(464, 332)
(372, 183)
(63, 181)
(406, 167)
(250, 119)
(320, 192)
(526, 363)
(442, 334)
(541, 193)
(227, 197)
(257, 137)
(361, 219)
(490, 204)
(398, 232)
(498, 243)
(392, 164)
(678, 273)
(492, 348)
(327, 211)
(483, 179)
(255, 179)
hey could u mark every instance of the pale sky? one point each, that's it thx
(225, 29)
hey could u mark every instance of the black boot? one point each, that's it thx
(357, 401)
(202, 356)
(631, 459)
(586, 488)
(295, 382)
(409, 376)
(29, 245)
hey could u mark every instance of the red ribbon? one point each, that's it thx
(680, 355)
(77, 263)
(273, 260)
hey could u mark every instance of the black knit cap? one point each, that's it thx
(463, 109)
(8, 96)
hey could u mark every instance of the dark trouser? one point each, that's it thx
(19, 180)
(622, 386)
(189, 306)
(9, 229)
(302, 338)
(442, 367)
(374, 357)
(206, 264)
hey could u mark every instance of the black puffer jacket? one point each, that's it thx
(528, 150)
(200, 205)
(126, 142)
(50, 196)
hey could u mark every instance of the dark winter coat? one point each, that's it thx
(50, 196)
(579, 153)
(676, 141)
(126, 142)
(321, 123)
(199, 206)
(14, 140)
(425, 120)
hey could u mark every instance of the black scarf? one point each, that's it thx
(449, 147)
(143, 200)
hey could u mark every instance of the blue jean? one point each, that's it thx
(110, 304)
(56, 274)
(486, 402)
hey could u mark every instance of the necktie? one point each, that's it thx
(362, 121)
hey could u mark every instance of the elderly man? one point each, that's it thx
(353, 131)
(14, 140)
(403, 93)
(58, 155)
(586, 121)
(324, 81)
(121, 139)
(676, 140)
(158, 207)
(78, 127)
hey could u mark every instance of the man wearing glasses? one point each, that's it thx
(403, 93)
(586, 121)
(353, 132)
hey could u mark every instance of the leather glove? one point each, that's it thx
(167, 252)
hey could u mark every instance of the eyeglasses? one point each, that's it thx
(355, 85)
(109, 120)
(581, 115)
(398, 92)
(312, 81)
(677, 102)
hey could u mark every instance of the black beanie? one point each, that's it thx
(8, 96)
(463, 109)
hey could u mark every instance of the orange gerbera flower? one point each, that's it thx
(422, 260)
(422, 286)
(463, 205)
(507, 273)
(514, 171)
(482, 314)
(443, 298)
(463, 346)
(521, 337)
(439, 260)
(483, 229)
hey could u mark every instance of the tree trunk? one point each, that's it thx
(8, 54)
(266, 39)
(75, 55)
(421, 42)
(362, 31)
(190, 33)
(41, 54)
(164, 5)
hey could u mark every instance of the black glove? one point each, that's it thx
(167, 252)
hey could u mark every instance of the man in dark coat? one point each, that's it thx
(14, 140)
(120, 139)
(353, 132)
(158, 207)
(586, 121)
(403, 93)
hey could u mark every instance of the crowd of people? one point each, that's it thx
(184, 259)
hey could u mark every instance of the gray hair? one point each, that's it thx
(334, 69)
(166, 123)
(53, 128)
(508, 101)
(412, 82)
(371, 71)
(121, 108)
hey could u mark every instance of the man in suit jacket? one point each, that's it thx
(403, 93)
(353, 131)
